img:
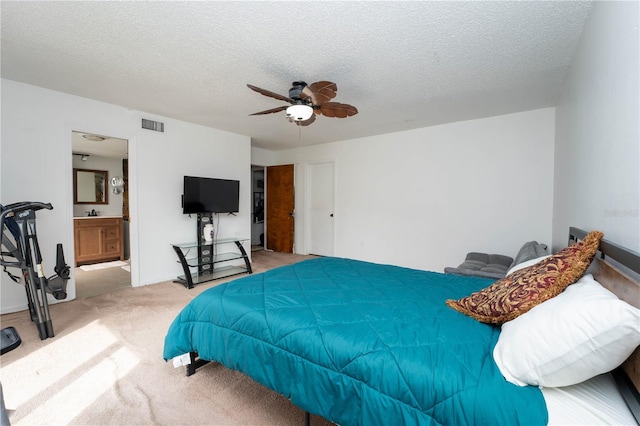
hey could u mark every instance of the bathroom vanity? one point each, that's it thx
(97, 239)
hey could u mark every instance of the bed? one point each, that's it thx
(364, 343)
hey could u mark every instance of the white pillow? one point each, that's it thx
(526, 264)
(584, 331)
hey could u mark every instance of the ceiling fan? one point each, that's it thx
(307, 101)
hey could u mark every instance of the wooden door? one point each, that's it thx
(280, 208)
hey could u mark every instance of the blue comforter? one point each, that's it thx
(358, 343)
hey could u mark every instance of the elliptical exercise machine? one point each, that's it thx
(20, 243)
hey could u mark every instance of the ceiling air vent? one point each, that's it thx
(156, 126)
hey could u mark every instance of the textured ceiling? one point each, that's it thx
(404, 65)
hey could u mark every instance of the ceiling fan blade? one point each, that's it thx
(270, 94)
(336, 109)
(270, 111)
(320, 92)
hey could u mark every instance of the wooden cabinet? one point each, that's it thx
(97, 239)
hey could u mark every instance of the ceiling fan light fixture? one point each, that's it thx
(299, 112)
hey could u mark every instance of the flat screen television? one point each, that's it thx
(208, 195)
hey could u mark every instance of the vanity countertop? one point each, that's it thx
(97, 217)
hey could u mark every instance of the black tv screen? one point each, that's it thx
(208, 195)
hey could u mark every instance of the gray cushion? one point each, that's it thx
(482, 265)
(530, 250)
(496, 265)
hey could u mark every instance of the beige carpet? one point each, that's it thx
(105, 367)
(97, 279)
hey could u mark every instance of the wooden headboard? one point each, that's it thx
(618, 269)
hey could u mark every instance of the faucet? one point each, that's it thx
(93, 213)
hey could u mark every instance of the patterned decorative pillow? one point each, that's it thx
(520, 291)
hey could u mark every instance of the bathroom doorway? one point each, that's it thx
(101, 214)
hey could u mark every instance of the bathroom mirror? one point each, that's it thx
(90, 186)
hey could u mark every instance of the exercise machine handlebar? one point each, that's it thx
(11, 209)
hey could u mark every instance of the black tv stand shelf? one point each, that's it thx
(202, 262)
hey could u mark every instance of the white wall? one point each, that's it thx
(262, 157)
(36, 136)
(597, 184)
(113, 166)
(424, 198)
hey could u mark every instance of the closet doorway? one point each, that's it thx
(102, 161)
(273, 208)
(257, 208)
